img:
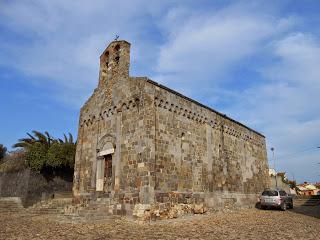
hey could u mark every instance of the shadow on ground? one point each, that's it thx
(313, 211)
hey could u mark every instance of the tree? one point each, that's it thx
(292, 184)
(62, 153)
(45, 152)
(3, 151)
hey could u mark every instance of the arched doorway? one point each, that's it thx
(104, 170)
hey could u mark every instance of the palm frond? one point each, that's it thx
(41, 137)
(65, 138)
(31, 137)
(47, 134)
(24, 145)
(50, 138)
(70, 138)
(27, 140)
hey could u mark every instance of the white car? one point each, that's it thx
(276, 198)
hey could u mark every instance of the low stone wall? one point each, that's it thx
(173, 204)
(222, 200)
(31, 186)
(14, 184)
(215, 200)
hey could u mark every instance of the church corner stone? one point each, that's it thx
(144, 146)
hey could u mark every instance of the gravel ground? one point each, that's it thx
(241, 224)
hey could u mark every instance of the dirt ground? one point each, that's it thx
(240, 224)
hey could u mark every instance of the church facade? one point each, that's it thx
(142, 143)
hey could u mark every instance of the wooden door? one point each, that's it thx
(108, 172)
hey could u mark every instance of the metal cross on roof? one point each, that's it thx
(116, 38)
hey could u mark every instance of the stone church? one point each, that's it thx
(141, 143)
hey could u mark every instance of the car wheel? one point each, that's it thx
(291, 205)
(283, 206)
(262, 207)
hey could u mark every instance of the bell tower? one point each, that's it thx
(114, 62)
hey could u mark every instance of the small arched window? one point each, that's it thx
(107, 58)
(116, 59)
(117, 48)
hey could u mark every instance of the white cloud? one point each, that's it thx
(61, 41)
(286, 107)
(208, 46)
(298, 57)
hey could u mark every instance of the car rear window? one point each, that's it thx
(270, 193)
(283, 193)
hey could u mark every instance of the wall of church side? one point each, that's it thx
(202, 154)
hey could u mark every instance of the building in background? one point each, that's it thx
(307, 189)
(279, 180)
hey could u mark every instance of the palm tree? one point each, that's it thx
(43, 138)
(44, 152)
(67, 140)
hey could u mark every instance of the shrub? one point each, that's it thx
(3, 151)
(36, 156)
(14, 161)
(61, 154)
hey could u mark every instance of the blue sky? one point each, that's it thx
(256, 61)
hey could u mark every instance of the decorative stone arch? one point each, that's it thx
(106, 142)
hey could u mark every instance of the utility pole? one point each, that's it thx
(293, 176)
(274, 166)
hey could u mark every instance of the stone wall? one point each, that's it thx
(14, 184)
(31, 186)
(279, 183)
(200, 150)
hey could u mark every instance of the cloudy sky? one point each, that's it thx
(256, 61)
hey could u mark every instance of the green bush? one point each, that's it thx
(61, 154)
(3, 151)
(36, 156)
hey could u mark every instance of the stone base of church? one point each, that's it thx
(166, 205)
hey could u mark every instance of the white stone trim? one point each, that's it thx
(99, 185)
(106, 152)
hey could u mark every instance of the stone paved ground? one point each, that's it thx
(241, 224)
